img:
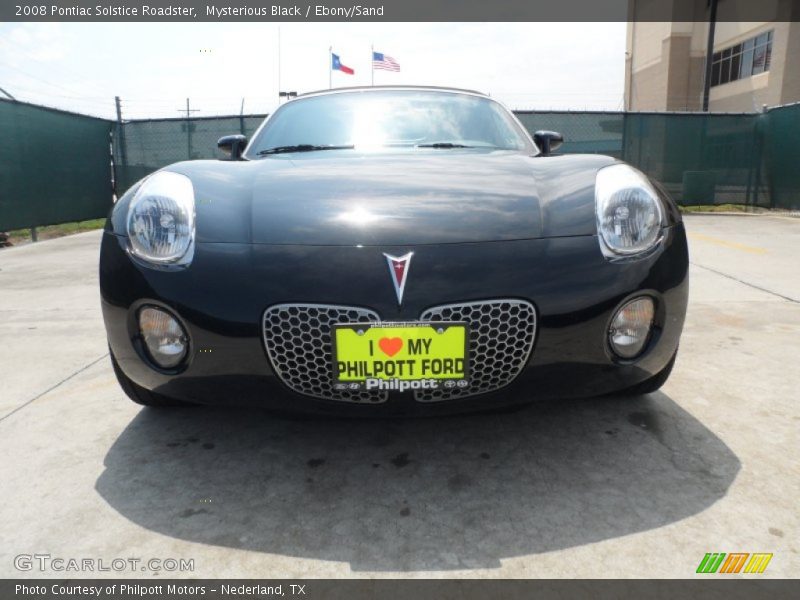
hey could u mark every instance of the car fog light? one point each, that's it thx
(164, 337)
(631, 326)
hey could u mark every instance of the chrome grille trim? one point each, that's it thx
(297, 338)
(502, 332)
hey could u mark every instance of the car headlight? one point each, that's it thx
(161, 219)
(629, 212)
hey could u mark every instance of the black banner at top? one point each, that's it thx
(398, 10)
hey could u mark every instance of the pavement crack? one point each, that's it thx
(755, 287)
(51, 388)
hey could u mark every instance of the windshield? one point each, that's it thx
(391, 118)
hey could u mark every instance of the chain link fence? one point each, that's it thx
(58, 168)
(700, 158)
(142, 147)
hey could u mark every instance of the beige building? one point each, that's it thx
(754, 63)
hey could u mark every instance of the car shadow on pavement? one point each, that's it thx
(421, 494)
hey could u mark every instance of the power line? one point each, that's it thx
(39, 79)
(83, 99)
(61, 68)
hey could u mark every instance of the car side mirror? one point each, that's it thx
(548, 141)
(232, 146)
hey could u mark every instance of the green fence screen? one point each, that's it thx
(783, 156)
(55, 167)
(700, 158)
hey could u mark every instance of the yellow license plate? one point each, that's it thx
(365, 353)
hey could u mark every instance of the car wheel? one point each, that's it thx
(648, 386)
(139, 394)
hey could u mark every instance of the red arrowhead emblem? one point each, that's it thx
(398, 268)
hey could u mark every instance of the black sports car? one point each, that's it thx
(392, 250)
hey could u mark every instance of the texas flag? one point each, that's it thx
(336, 65)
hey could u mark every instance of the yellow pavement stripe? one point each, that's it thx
(728, 244)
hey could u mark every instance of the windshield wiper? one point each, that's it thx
(443, 145)
(301, 148)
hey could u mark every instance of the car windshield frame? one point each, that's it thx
(262, 139)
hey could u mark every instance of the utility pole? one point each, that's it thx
(123, 159)
(712, 26)
(241, 118)
(188, 112)
(118, 154)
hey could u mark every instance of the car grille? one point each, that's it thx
(501, 334)
(298, 342)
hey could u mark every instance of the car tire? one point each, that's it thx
(648, 386)
(139, 394)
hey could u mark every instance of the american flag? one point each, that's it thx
(385, 62)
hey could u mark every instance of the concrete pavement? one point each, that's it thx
(610, 487)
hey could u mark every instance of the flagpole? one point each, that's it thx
(330, 67)
(372, 64)
(279, 64)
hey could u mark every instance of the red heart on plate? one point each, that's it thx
(390, 346)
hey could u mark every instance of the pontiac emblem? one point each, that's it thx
(398, 269)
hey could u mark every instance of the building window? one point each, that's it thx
(742, 60)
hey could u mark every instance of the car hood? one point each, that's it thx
(394, 199)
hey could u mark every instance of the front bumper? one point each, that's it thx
(222, 297)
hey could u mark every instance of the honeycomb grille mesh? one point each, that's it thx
(298, 342)
(500, 342)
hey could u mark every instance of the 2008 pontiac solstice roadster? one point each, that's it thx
(392, 251)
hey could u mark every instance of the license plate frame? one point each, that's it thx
(453, 346)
